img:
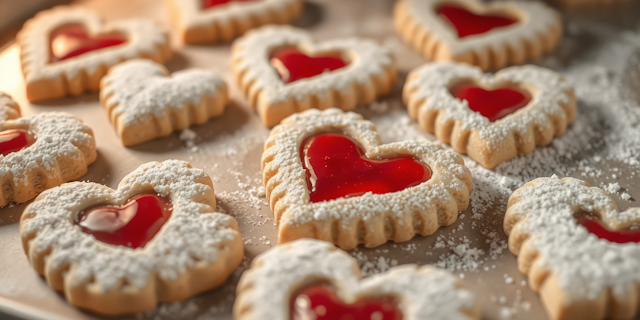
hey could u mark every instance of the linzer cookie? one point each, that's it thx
(157, 238)
(67, 50)
(489, 35)
(144, 102)
(580, 253)
(492, 118)
(328, 177)
(41, 151)
(204, 21)
(282, 71)
(312, 279)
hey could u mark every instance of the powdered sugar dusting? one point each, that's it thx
(8, 108)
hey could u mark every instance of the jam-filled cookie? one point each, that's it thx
(282, 71)
(144, 102)
(204, 21)
(40, 152)
(156, 238)
(580, 253)
(67, 50)
(489, 35)
(328, 177)
(492, 118)
(312, 279)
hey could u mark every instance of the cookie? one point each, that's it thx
(208, 21)
(40, 152)
(327, 176)
(492, 118)
(282, 71)
(580, 253)
(144, 102)
(67, 50)
(489, 35)
(312, 279)
(86, 239)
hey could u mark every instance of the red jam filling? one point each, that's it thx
(131, 225)
(595, 226)
(468, 23)
(337, 167)
(492, 104)
(212, 3)
(72, 40)
(293, 65)
(15, 140)
(320, 302)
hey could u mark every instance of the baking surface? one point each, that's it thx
(599, 55)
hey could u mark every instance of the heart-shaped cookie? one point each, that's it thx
(40, 152)
(492, 35)
(204, 21)
(78, 239)
(302, 279)
(360, 205)
(352, 71)
(492, 118)
(143, 102)
(67, 50)
(580, 253)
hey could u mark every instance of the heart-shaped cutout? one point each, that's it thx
(131, 225)
(73, 40)
(597, 227)
(337, 167)
(491, 35)
(493, 104)
(15, 140)
(320, 302)
(362, 71)
(377, 192)
(313, 280)
(468, 23)
(206, 4)
(293, 64)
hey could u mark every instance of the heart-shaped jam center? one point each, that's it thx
(337, 167)
(293, 65)
(320, 302)
(15, 140)
(468, 23)
(212, 3)
(595, 226)
(492, 104)
(72, 40)
(131, 225)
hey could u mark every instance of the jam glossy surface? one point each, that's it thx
(320, 302)
(131, 225)
(595, 226)
(212, 3)
(493, 104)
(293, 65)
(468, 23)
(72, 40)
(338, 168)
(15, 140)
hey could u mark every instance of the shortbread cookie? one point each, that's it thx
(157, 238)
(492, 118)
(214, 20)
(580, 253)
(282, 71)
(143, 102)
(40, 152)
(67, 50)
(489, 35)
(328, 177)
(312, 279)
